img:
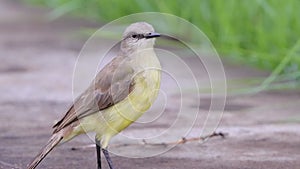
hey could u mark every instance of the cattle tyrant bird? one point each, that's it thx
(120, 93)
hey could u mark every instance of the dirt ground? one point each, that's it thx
(37, 61)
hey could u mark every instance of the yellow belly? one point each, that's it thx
(111, 121)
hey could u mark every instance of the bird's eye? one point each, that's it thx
(134, 36)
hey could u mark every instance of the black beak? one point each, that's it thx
(152, 35)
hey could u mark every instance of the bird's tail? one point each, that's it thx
(53, 141)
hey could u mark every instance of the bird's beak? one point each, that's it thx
(152, 35)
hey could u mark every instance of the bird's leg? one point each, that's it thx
(98, 149)
(106, 154)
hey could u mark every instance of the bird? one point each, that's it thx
(119, 94)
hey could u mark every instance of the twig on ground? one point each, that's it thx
(183, 140)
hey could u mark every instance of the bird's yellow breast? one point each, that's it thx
(146, 87)
(114, 119)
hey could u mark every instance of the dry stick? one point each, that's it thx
(183, 140)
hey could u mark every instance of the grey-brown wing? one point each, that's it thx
(112, 84)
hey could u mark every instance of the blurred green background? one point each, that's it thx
(261, 33)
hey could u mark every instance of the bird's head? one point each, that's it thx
(138, 36)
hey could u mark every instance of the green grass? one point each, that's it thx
(261, 33)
